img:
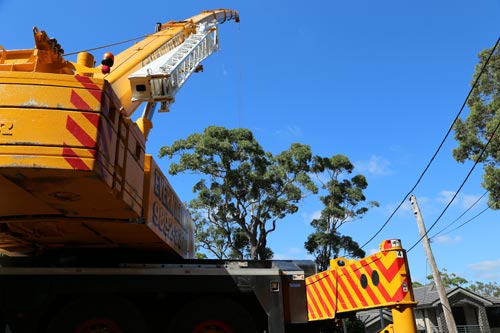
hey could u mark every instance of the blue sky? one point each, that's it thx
(379, 82)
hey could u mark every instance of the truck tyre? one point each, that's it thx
(92, 315)
(212, 316)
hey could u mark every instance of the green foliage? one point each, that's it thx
(478, 132)
(245, 190)
(325, 246)
(342, 204)
(487, 289)
(416, 284)
(355, 326)
(449, 280)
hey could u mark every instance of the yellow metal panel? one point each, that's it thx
(61, 130)
(165, 214)
(36, 157)
(49, 80)
(15, 200)
(47, 127)
(379, 280)
(79, 233)
(72, 193)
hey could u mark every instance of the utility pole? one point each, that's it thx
(448, 314)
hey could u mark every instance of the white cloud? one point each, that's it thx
(465, 201)
(468, 200)
(293, 253)
(292, 131)
(295, 250)
(488, 269)
(308, 217)
(406, 208)
(376, 165)
(445, 196)
(447, 239)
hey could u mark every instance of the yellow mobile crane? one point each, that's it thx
(95, 238)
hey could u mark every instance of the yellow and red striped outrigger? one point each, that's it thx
(380, 280)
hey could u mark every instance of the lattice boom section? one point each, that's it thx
(380, 280)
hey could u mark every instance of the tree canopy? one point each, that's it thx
(478, 135)
(343, 202)
(246, 190)
(451, 280)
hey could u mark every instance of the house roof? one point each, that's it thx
(427, 296)
(372, 316)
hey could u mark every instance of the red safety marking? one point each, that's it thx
(322, 301)
(72, 158)
(92, 117)
(334, 289)
(355, 284)
(311, 306)
(74, 128)
(326, 292)
(91, 86)
(79, 102)
(104, 128)
(369, 290)
(400, 294)
(342, 286)
(389, 272)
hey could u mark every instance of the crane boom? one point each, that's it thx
(169, 36)
(161, 79)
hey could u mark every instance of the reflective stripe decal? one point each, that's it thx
(82, 125)
(378, 280)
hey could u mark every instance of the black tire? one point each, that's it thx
(98, 314)
(212, 315)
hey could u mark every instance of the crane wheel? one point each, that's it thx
(98, 314)
(212, 316)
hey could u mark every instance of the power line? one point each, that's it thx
(439, 147)
(469, 220)
(461, 185)
(461, 215)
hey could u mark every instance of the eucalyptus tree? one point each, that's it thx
(478, 135)
(343, 202)
(244, 190)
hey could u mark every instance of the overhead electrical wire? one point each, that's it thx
(461, 215)
(460, 187)
(437, 150)
(469, 220)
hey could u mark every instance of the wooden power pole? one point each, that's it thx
(448, 314)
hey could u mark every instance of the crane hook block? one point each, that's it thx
(107, 62)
